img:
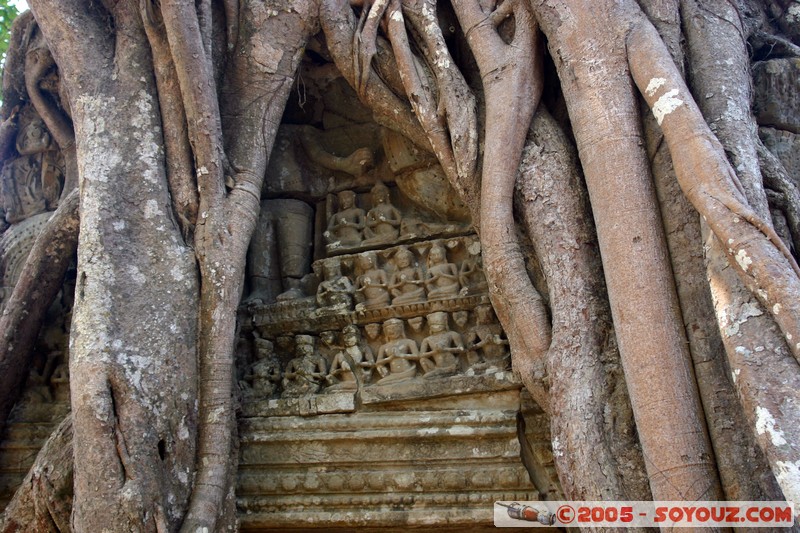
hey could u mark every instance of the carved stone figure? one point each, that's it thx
(346, 226)
(355, 353)
(442, 277)
(60, 382)
(328, 345)
(305, 372)
(335, 290)
(15, 245)
(32, 182)
(406, 285)
(22, 189)
(399, 354)
(279, 259)
(285, 225)
(372, 289)
(284, 347)
(461, 318)
(383, 220)
(373, 334)
(471, 276)
(486, 342)
(438, 351)
(265, 373)
(33, 138)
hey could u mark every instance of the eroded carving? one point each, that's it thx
(397, 357)
(372, 287)
(32, 182)
(336, 290)
(353, 364)
(442, 278)
(471, 276)
(346, 226)
(406, 285)
(285, 225)
(264, 375)
(383, 220)
(304, 373)
(486, 340)
(439, 350)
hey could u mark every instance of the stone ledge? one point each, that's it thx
(417, 389)
(318, 404)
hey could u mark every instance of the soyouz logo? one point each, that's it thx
(666, 514)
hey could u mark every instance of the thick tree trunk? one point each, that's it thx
(752, 251)
(766, 377)
(519, 306)
(132, 350)
(132, 367)
(258, 85)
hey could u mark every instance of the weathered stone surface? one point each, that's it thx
(15, 245)
(785, 145)
(18, 449)
(777, 93)
(415, 423)
(399, 460)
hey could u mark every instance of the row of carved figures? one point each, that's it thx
(401, 280)
(351, 226)
(443, 352)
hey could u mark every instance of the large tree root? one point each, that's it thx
(722, 88)
(604, 113)
(132, 347)
(744, 472)
(178, 151)
(339, 25)
(516, 94)
(596, 453)
(43, 502)
(37, 287)
(766, 377)
(757, 255)
(741, 463)
(763, 261)
(251, 113)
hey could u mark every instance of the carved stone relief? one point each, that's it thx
(32, 181)
(385, 346)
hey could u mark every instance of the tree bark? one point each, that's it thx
(257, 86)
(604, 114)
(43, 503)
(132, 360)
(597, 453)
